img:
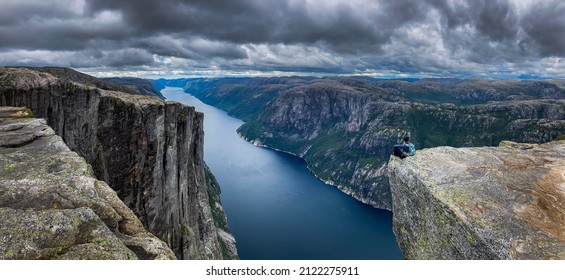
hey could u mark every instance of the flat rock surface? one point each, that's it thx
(504, 202)
(53, 208)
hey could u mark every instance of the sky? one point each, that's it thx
(383, 38)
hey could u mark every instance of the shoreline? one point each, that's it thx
(342, 188)
(258, 143)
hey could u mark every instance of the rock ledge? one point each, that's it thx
(504, 202)
(51, 205)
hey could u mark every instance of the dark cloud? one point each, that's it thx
(497, 20)
(192, 48)
(493, 18)
(545, 26)
(430, 37)
(14, 12)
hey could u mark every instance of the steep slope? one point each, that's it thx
(345, 127)
(142, 86)
(149, 151)
(53, 208)
(481, 203)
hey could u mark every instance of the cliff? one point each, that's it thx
(345, 127)
(149, 151)
(53, 208)
(504, 202)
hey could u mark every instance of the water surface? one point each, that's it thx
(277, 209)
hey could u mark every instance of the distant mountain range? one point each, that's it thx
(142, 86)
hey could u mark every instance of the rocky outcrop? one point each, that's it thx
(149, 151)
(51, 205)
(345, 127)
(504, 202)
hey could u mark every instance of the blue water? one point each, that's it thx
(277, 209)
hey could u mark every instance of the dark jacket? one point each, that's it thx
(401, 150)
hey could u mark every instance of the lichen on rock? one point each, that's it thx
(504, 202)
(53, 208)
(150, 152)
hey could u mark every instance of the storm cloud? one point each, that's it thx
(389, 38)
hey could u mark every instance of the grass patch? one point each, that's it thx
(183, 230)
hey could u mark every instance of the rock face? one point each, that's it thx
(504, 202)
(51, 205)
(149, 151)
(345, 128)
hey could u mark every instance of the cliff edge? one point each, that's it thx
(53, 208)
(505, 202)
(147, 150)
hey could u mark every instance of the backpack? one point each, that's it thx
(412, 149)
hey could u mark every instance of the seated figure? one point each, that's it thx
(404, 149)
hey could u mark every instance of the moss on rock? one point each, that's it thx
(480, 203)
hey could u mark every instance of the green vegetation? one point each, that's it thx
(58, 251)
(119, 104)
(29, 113)
(183, 229)
(6, 84)
(560, 138)
(424, 96)
(239, 97)
(226, 254)
(217, 213)
(372, 161)
(457, 128)
(255, 130)
(436, 112)
(214, 198)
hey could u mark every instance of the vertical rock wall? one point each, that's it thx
(53, 208)
(149, 151)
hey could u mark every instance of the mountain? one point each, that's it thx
(481, 203)
(150, 152)
(141, 86)
(160, 84)
(345, 127)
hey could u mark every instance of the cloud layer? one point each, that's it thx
(480, 38)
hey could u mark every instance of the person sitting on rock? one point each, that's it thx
(405, 149)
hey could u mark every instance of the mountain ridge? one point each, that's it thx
(141, 86)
